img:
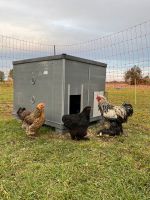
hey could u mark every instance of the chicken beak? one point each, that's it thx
(41, 106)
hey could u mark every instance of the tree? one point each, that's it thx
(146, 80)
(10, 75)
(135, 73)
(2, 76)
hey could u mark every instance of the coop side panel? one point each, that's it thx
(85, 79)
(97, 80)
(76, 77)
(40, 82)
(23, 88)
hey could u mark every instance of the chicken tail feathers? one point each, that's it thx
(22, 113)
(65, 120)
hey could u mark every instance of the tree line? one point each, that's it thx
(135, 76)
(2, 75)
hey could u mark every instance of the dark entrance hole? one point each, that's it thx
(75, 101)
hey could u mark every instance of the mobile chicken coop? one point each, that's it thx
(66, 84)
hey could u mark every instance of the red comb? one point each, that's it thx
(98, 98)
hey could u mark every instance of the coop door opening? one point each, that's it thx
(75, 104)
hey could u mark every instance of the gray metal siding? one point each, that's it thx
(76, 75)
(47, 87)
(83, 77)
(52, 79)
(97, 81)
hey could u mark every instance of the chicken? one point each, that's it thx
(115, 115)
(34, 120)
(77, 124)
(22, 113)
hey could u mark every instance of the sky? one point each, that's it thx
(69, 21)
(65, 22)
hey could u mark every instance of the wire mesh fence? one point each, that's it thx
(121, 51)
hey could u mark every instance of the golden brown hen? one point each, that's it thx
(35, 120)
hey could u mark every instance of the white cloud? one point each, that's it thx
(73, 21)
(63, 21)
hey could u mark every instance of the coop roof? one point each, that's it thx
(58, 57)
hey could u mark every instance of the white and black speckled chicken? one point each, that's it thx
(115, 115)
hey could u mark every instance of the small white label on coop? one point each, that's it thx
(96, 112)
(45, 72)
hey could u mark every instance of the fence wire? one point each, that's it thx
(121, 51)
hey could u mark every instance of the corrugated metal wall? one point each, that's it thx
(42, 82)
(84, 79)
(76, 75)
(52, 81)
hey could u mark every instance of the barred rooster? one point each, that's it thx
(115, 115)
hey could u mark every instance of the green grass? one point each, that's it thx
(6, 98)
(54, 167)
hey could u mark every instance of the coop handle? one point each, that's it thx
(33, 99)
(33, 80)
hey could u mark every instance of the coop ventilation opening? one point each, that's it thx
(75, 104)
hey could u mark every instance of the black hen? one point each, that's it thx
(77, 124)
(22, 113)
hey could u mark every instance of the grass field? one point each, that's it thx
(53, 167)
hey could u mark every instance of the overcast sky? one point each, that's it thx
(69, 21)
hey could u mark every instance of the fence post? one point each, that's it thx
(54, 50)
(135, 92)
